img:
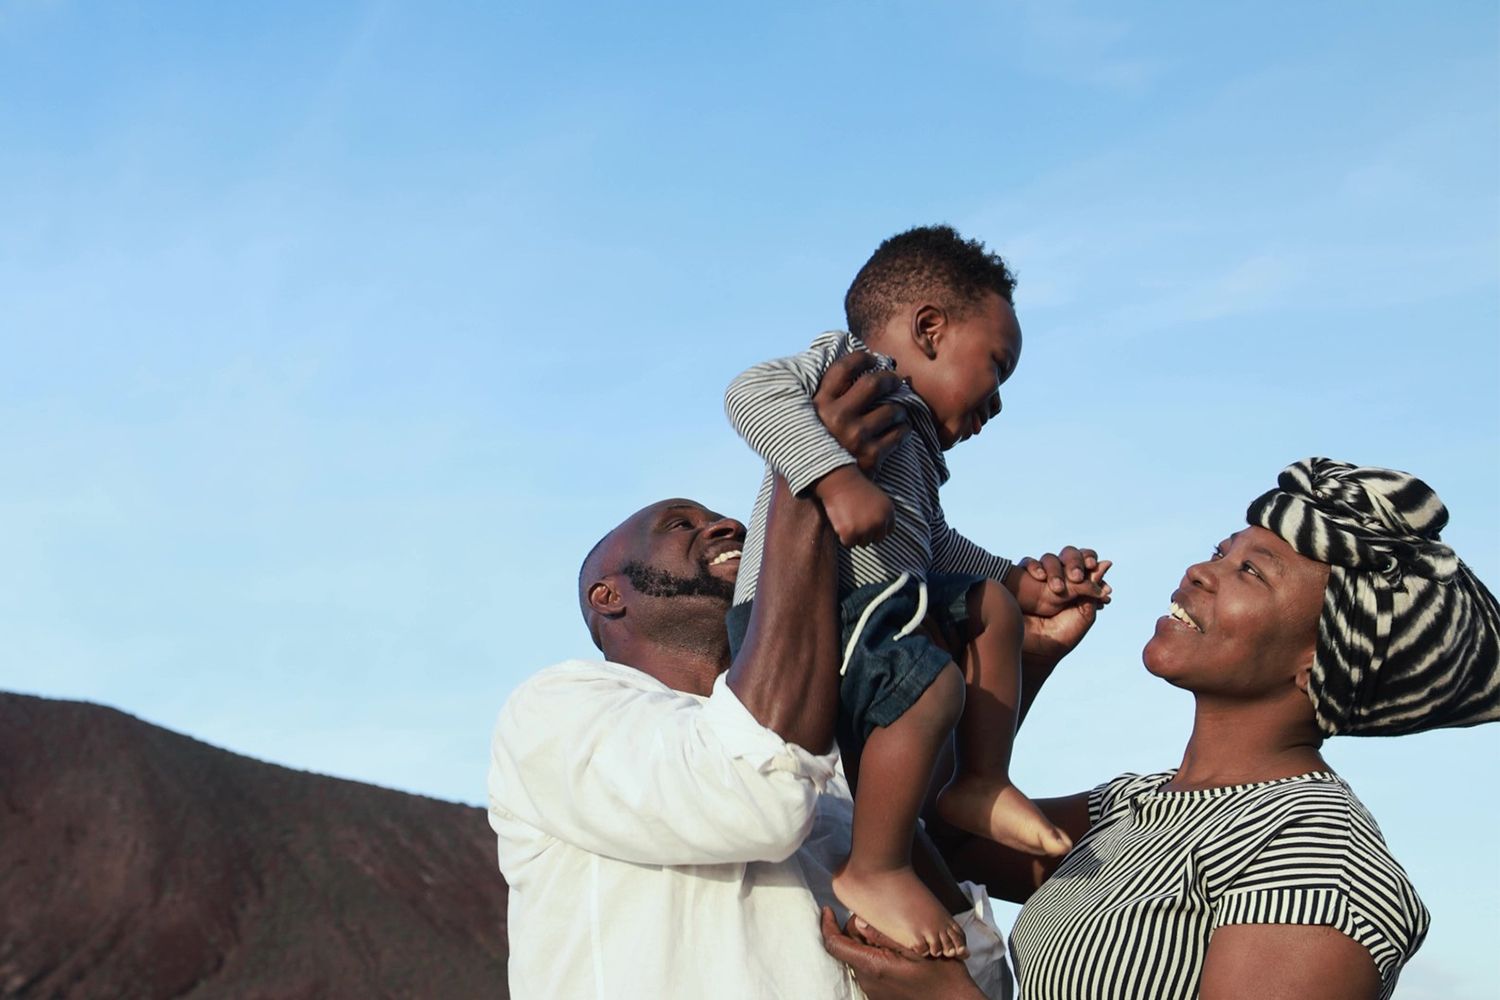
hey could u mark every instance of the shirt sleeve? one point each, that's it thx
(651, 776)
(953, 553)
(1310, 872)
(770, 406)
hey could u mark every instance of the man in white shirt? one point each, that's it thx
(667, 820)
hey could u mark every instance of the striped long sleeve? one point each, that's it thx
(771, 407)
(953, 553)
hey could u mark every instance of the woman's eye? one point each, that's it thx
(1218, 553)
(1250, 568)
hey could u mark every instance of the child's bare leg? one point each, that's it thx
(981, 797)
(877, 882)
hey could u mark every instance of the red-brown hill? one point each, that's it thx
(136, 862)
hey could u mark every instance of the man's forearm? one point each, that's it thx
(787, 671)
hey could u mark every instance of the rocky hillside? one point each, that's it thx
(136, 862)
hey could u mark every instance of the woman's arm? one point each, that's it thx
(1287, 962)
(1009, 874)
(1049, 636)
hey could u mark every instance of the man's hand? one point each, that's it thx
(853, 403)
(859, 511)
(886, 974)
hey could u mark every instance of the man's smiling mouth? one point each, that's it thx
(724, 556)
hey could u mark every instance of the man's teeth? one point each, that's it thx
(724, 557)
(1182, 616)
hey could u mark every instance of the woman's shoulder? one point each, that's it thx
(1319, 797)
(1320, 850)
(1120, 790)
(1317, 800)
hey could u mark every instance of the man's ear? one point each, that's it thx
(605, 599)
(929, 324)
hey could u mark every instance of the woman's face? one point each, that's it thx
(1244, 622)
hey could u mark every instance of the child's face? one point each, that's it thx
(972, 357)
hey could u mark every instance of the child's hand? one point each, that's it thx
(861, 513)
(1041, 593)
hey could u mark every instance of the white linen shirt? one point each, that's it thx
(651, 841)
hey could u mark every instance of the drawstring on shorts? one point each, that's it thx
(881, 598)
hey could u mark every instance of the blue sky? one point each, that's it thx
(335, 335)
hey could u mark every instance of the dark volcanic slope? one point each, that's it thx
(136, 862)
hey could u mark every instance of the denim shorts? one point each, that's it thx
(885, 675)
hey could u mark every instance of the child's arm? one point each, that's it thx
(859, 512)
(771, 407)
(953, 553)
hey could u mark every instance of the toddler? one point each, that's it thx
(932, 635)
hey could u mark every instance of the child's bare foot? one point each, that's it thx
(898, 905)
(999, 811)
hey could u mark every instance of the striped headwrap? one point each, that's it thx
(1409, 639)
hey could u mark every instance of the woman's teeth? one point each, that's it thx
(1177, 612)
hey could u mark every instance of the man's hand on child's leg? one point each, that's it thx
(859, 511)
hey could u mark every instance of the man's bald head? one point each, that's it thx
(671, 549)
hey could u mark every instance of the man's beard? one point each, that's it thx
(655, 582)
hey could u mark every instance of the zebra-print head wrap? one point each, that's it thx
(1409, 639)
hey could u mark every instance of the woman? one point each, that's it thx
(1252, 870)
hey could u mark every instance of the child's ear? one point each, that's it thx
(928, 324)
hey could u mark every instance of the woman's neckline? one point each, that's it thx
(1218, 790)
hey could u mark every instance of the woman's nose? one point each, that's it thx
(1200, 574)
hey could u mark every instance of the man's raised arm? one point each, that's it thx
(787, 671)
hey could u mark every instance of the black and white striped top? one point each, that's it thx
(1130, 911)
(771, 407)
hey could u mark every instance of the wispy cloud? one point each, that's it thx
(1060, 42)
(1138, 240)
